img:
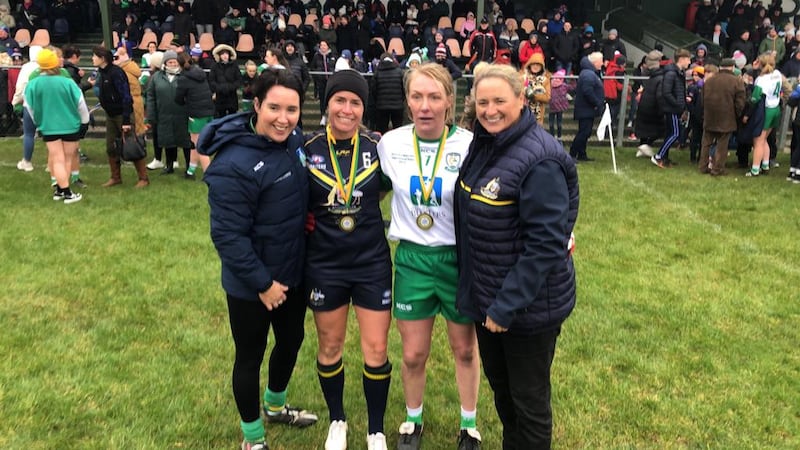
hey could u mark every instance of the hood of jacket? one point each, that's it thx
(587, 65)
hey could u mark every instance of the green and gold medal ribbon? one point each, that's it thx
(427, 188)
(347, 194)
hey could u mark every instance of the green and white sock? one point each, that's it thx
(74, 176)
(468, 418)
(274, 402)
(253, 431)
(414, 415)
(192, 168)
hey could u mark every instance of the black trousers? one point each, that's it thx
(250, 322)
(518, 370)
(578, 147)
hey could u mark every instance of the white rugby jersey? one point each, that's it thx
(396, 153)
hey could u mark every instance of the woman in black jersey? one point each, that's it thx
(348, 256)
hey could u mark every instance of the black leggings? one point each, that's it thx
(250, 322)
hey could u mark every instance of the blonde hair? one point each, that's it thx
(439, 74)
(767, 63)
(505, 72)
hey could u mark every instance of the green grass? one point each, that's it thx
(114, 326)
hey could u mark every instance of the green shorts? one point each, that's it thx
(196, 124)
(425, 282)
(772, 118)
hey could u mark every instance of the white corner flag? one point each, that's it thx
(605, 123)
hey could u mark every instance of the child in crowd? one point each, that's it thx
(537, 86)
(558, 102)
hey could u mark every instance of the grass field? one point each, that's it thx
(115, 335)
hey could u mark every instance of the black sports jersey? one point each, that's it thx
(347, 239)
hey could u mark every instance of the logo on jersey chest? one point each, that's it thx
(452, 162)
(317, 162)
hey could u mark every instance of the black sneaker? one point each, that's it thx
(58, 195)
(72, 197)
(791, 177)
(188, 176)
(295, 417)
(78, 183)
(410, 436)
(469, 439)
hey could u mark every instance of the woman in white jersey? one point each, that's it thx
(422, 161)
(768, 84)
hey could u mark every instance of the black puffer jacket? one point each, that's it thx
(299, 69)
(673, 90)
(649, 117)
(194, 93)
(388, 86)
(516, 205)
(224, 80)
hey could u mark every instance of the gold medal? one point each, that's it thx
(425, 221)
(347, 223)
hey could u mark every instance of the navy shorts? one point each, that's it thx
(331, 294)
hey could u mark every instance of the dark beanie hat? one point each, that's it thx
(347, 80)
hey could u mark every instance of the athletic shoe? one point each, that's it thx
(773, 163)
(790, 177)
(469, 439)
(337, 436)
(24, 165)
(78, 183)
(376, 441)
(57, 195)
(188, 176)
(295, 417)
(410, 436)
(644, 150)
(176, 165)
(254, 445)
(750, 173)
(72, 197)
(796, 180)
(658, 162)
(155, 164)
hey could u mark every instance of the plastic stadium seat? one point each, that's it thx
(166, 40)
(245, 44)
(396, 45)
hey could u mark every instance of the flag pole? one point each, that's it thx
(611, 139)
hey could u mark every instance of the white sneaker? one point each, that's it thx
(176, 165)
(25, 165)
(337, 436)
(376, 441)
(155, 165)
(644, 150)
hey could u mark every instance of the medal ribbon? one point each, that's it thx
(347, 193)
(427, 188)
